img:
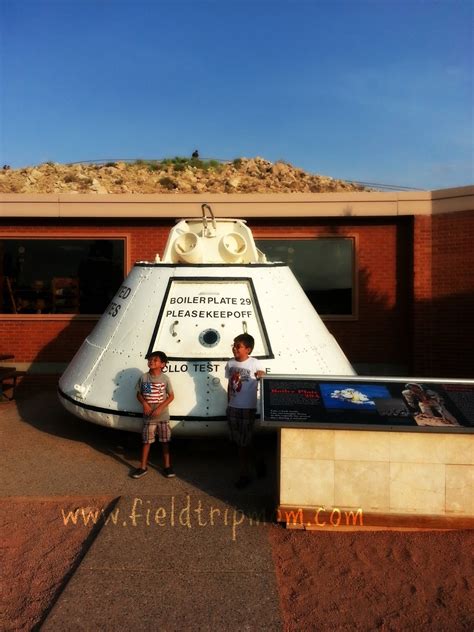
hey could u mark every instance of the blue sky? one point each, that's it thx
(375, 91)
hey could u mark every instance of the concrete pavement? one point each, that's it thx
(175, 553)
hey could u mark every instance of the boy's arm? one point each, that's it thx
(147, 409)
(227, 375)
(163, 405)
(260, 372)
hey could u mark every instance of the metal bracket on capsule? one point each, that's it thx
(207, 230)
(80, 390)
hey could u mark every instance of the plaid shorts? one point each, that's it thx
(159, 429)
(241, 423)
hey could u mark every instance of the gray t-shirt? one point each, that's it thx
(155, 389)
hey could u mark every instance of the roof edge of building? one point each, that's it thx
(242, 205)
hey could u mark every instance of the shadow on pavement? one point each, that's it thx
(206, 464)
(202, 464)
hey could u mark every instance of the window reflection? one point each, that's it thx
(324, 267)
(59, 276)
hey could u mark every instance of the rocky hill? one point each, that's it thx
(177, 175)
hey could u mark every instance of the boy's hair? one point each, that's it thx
(247, 340)
(157, 354)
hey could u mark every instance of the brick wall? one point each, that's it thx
(444, 295)
(415, 287)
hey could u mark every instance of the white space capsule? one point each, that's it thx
(211, 285)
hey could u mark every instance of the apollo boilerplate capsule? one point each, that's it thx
(211, 285)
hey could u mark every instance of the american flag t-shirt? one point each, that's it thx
(154, 392)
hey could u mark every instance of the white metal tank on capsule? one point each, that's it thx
(211, 285)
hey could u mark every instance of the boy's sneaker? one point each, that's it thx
(139, 472)
(168, 472)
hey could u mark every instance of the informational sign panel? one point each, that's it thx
(369, 403)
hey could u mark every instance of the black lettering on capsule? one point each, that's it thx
(174, 368)
(114, 309)
(209, 300)
(124, 292)
(194, 313)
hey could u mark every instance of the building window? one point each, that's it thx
(59, 276)
(324, 267)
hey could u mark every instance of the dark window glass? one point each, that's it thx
(59, 276)
(324, 268)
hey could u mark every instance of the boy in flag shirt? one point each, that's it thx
(155, 393)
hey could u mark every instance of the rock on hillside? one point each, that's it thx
(178, 175)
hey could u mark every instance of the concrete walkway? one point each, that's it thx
(176, 576)
(185, 552)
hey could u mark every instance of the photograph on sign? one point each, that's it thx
(347, 397)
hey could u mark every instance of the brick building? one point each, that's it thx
(390, 273)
